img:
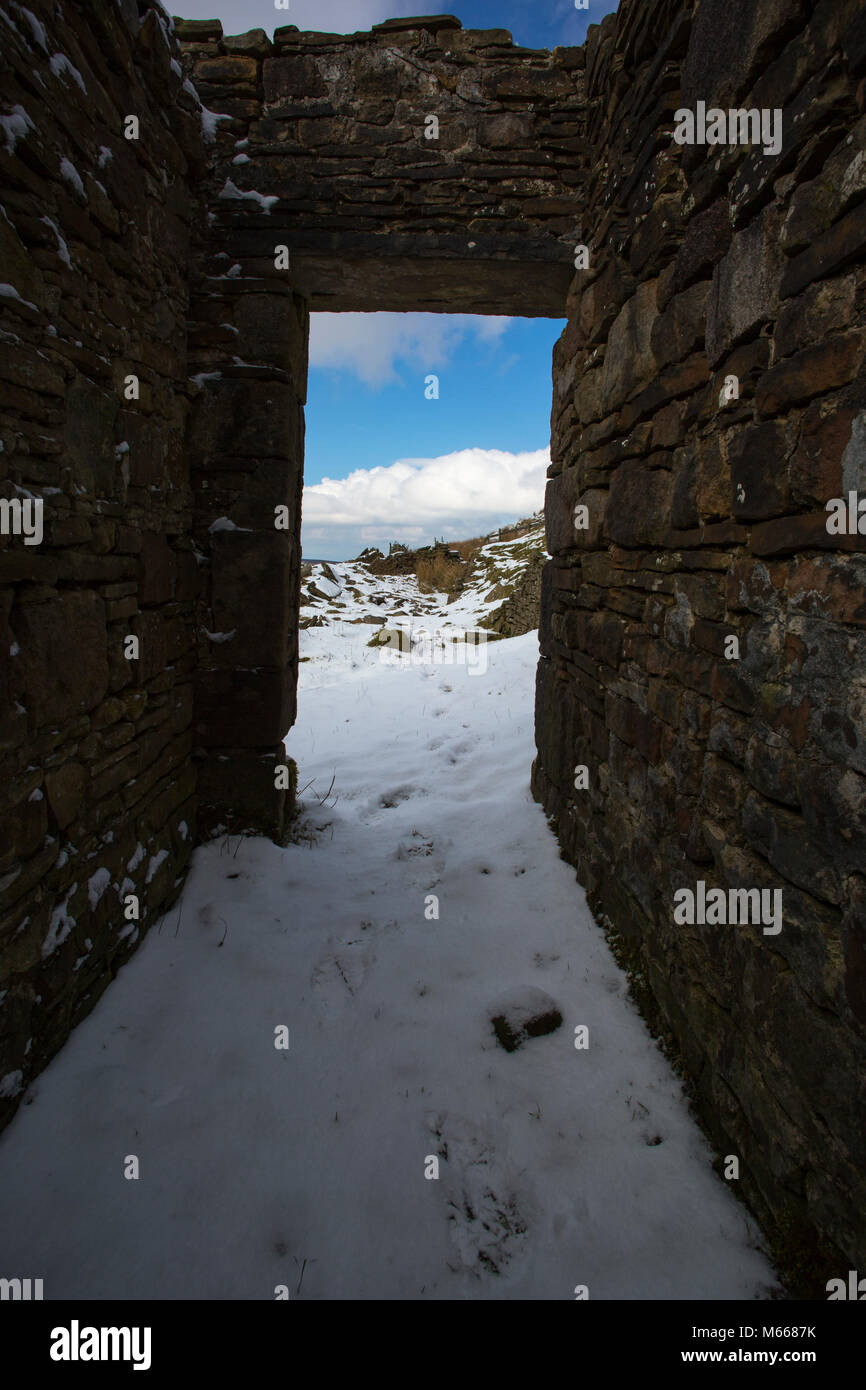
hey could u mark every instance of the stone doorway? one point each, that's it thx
(327, 192)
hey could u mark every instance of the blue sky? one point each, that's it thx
(534, 23)
(407, 466)
(384, 462)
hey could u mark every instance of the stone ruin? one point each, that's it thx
(176, 202)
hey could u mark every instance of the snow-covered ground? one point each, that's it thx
(358, 594)
(263, 1167)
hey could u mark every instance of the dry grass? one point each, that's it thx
(438, 572)
(468, 549)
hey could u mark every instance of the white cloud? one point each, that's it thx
(370, 345)
(461, 494)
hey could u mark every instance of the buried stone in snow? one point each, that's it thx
(526, 1012)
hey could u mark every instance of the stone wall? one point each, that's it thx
(708, 402)
(520, 611)
(332, 128)
(319, 148)
(706, 520)
(96, 778)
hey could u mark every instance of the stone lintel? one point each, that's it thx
(526, 289)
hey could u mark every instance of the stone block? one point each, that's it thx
(629, 362)
(241, 420)
(63, 661)
(745, 288)
(243, 709)
(639, 505)
(812, 372)
(156, 569)
(292, 77)
(249, 595)
(231, 69)
(758, 461)
(65, 790)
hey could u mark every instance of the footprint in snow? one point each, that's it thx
(340, 974)
(479, 1196)
(387, 800)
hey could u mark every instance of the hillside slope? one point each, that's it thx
(492, 588)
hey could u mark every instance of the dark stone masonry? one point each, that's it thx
(709, 400)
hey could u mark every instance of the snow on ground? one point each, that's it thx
(262, 1167)
(357, 593)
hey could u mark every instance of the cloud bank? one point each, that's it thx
(466, 493)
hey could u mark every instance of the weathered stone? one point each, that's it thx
(231, 70)
(812, 372)
(815, 314)
(745, 289)
(638, 508)
(681, 327)
(524, 1013)
(254, 42)
(706, 241)
(65, 637)
(629, 363)
(816, 467)
(759, 472)
(156, 570)
(65, 788)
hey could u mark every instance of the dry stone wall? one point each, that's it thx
(96, 779)
(709, 401)
(379, 206)
(520, 611)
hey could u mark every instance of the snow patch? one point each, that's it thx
(136, 859)
(11, 1084)
(15, 126)
(59, 64)
(231, 190)
(97, 885)
(154, 866)
(71, 174)
(10, 292)
(37, 28)
(61, 925)
(210, 121)
(62, 248)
